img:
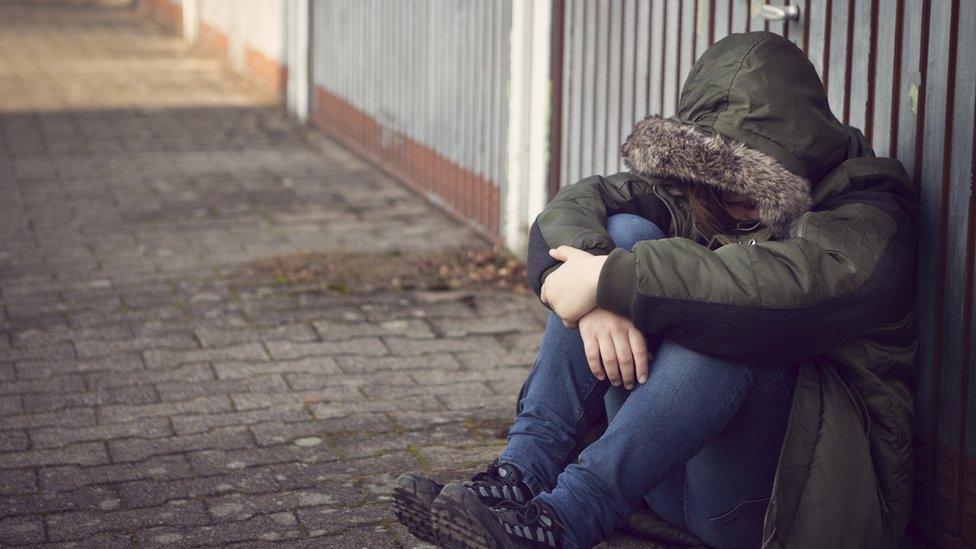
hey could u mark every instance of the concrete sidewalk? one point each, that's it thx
(151, 394)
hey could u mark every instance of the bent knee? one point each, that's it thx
(628, 229)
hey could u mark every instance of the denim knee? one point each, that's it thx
(628, 229)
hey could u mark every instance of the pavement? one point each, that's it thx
(151, 392)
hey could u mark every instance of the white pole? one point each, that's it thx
(191, 21)
(299, 81)
(528, 123)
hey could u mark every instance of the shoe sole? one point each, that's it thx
(413, 511)
(455, 516)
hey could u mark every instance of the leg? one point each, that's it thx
(688, 401)
(730, 480)
(562, 398)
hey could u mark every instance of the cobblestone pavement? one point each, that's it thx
(150, 395)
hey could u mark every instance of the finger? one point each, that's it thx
(592, 349)
(642, 357)
(625, 359)
(609, 356)
(563, 253)
(570, 324)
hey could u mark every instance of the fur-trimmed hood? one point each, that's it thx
(752, 119)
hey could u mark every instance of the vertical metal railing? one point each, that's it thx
(421, 87)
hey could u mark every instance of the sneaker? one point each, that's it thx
(414, 494)
(461, 520)
(499, 482)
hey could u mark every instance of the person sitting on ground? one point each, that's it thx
(742, 299)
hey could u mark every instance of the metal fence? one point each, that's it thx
(421, 86)
(904, 71)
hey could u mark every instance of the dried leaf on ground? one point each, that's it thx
(349, 272)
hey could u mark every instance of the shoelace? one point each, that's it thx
(531, 523)
(485, 483)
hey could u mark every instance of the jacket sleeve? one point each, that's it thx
(577, 217)
(846, 268)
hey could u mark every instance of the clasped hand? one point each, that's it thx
(615, 348)
(570, 290)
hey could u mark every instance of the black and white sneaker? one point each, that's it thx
(414, 494)
(499, 482)
(463, 521)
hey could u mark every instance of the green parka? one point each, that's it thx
(826, 281)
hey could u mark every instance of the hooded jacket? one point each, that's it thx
(825, 282)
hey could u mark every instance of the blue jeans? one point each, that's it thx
(699, 441)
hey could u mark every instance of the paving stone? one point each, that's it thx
(325, 520)
(199, 371)
(518, 321)
(207, 462)
(85, 453)
(331, 409)
(522, 359)
(157, 390)
(236, 507)
(87, 498)
(357, 346)
(161, 358)
(312, 365)
(12, 441)
(223, 438)
(17, 481)
(69, 526)
(21, 530)
(220, 337)
(357, 365)
(101, 396)
(122, 412)
(328, 329)
(48, 352)
(274, 527)
(122, 362)
(58, 384)
(190, 424)
(258, 384)
(40, 337)
(90, 348)
(62, 418)
(302, 381)
(157, 468)
(405, 346)
(54, 437)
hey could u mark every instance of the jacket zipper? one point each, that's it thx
(674, 218)
(802, 226)
(772, 534)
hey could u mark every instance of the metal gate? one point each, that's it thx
(420, 86)
(904, 71)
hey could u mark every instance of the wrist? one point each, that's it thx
(617, 282)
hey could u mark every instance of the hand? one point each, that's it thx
(570, 290)
(615, 348)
